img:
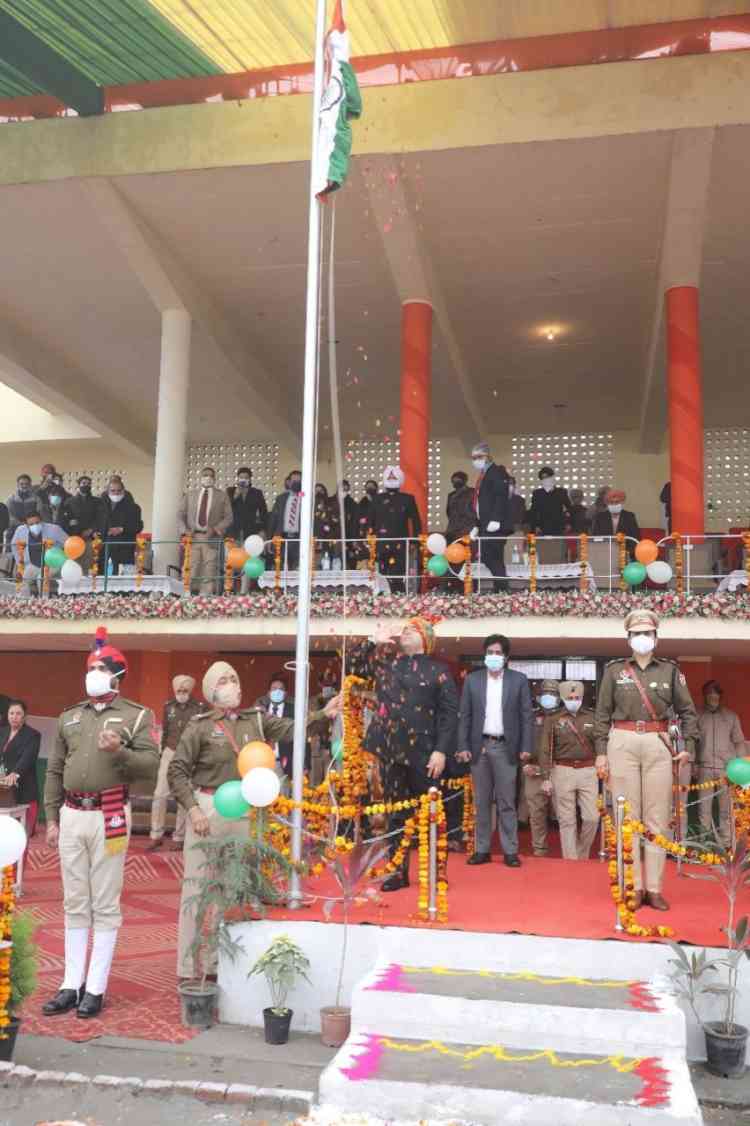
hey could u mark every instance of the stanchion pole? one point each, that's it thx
(602, 834)
(432, 864)
(619, 820)
(732, 816)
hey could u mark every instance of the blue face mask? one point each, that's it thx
(548, 701)
(494, 661)
(277, 695)
(573, 705)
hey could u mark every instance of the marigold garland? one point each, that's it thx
(354, 761)
(625, 905)
(140, 558)
(431, 811)
(741, 806)
(468, 575)
(622, 558)
(277, 542)
(20, 565)
(679, 563)
(187, 561)
(583, 559)
(96, 547)
(48, 544)
(531, 540)
(7, 905)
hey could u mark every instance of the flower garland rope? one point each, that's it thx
(20, 566)
(531, 540)
(277, 541)
(228, 570)
(187, 562)
(424, 557)
(7, 905)
(46, 568)
(140, 559)
(746, 545)
(96, 547)
(583, 558)
(468, 574)
(622, 558)
(679, 564)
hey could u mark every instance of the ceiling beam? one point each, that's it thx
(680, 263)
(47, 69)
(169, 285)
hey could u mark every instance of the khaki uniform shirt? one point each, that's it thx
(205, 756)
(721, 739)
(77, 764)
(560, 743)
(664, 685)
(541, 718)
(175, 719)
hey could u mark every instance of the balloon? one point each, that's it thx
(54, 557)
(74, 547)
(253, 754)
(659, 571)
(337, 749)
(254, 568)
(229, 802)
(236, 558)
(456, 553)
(634, 573)
(438, 565)
(738, 771)
(71, 572)
(646, 552)
(436, 544)
(260, 786)
(12, 840)
(254, 546)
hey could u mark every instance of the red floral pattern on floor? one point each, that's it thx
(142, 1000)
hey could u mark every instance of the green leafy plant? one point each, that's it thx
(281, 965)
(24, 958)
(690, 976)
(238, 874)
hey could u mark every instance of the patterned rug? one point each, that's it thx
(142, 999)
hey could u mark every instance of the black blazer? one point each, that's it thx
(417, 707)
(628, 525)
(493, 500)
(518, 715)
(286, 750)
(20, 758)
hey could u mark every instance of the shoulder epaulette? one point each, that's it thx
(70, 707)
(199, 715)
(616, 661)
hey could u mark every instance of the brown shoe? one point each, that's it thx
(154, 845)
(637, 901)
(657, 901)
(175, 846)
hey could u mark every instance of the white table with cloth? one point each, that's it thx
(553, 574)
(379, 583)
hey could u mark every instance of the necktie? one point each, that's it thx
(203, 509)
(293, 513)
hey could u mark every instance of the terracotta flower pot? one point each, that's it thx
(335, 1024)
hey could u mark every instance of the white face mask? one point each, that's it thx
(479, 463)
(615, 509)
(511, 490)
(35, 529)
(573, 705)
(207, 482)
(182, 697)
(115, 497)
(548, 701)
(99, 683)
(548, 484)
(642, 643)
(228, 696)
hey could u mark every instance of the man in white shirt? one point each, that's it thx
(278, 702)
(29, 541)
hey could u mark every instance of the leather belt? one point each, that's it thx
(206, 789)
(496, 738)
(642, 726)
(76, 799)
(576, 764)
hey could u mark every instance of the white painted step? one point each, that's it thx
(397, 1077)
(520, 1009)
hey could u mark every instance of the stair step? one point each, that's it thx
(523, 1008)
(489, 1083)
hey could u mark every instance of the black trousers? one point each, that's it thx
(400, 781)
(392, 561)
(493, 557)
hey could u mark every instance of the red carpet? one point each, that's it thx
(545, 897)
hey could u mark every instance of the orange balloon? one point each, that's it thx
(237, 557)
(455, 553)
(646, 552)
(74, 547)
(255, 754)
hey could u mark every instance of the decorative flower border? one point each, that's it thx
(544, 603)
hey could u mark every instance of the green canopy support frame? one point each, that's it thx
(47, 69)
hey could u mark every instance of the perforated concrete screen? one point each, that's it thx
(581, 461)
(261, 457)
(99, 478)
(366, 458)
(726, 459)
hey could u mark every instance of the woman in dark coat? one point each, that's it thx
(19, 750)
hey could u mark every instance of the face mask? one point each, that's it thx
(511, 490)
(320, 496)
(457, 485)
(713, 705)
(548, 701)
(494, 661)
(328, 692)
(244, 482)
(115, 497)
(548, 484)
(642, 643)
(228, 696)
(478, 463)
(84, 490)
(35, 529)
(277, 695)
(573, 705)
(372, 492)
(23, 490)
(207, 482)
(615, 509)
(182, 697)
(55, 500)
(99, 683)
(295, 486)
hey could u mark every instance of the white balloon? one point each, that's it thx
(659, 571)
(254, 546)
(260, 786)
(12, 840)
(71, 572)
(436, 543)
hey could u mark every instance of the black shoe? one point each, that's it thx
(479, 858)
(63, 1001)
(90, 1006)
(512, 861)
(395, 882)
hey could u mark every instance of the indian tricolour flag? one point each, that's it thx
(341, 103)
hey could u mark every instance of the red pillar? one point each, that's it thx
(685, 398)
(416, 380)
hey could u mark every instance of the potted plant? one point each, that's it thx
(24, 956)
(726, 1041)
(238, 875)
(281, 965)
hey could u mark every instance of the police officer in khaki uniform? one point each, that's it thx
(177, 714)
(535, 770)
(205, 759)
(103, 744)
(568, 762)
(637, 698)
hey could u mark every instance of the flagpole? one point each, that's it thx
(312, 316)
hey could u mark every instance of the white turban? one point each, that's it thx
(213, 675)
(183, 682)
(393, 477)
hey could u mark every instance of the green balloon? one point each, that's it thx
(738, 771)
(54, 557)
(438, 565)
(229, 802)
(337, 749)
(254, 568)
(634, 574)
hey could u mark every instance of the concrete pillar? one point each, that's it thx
(685, 403)
(416, 388)
(171, 434)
